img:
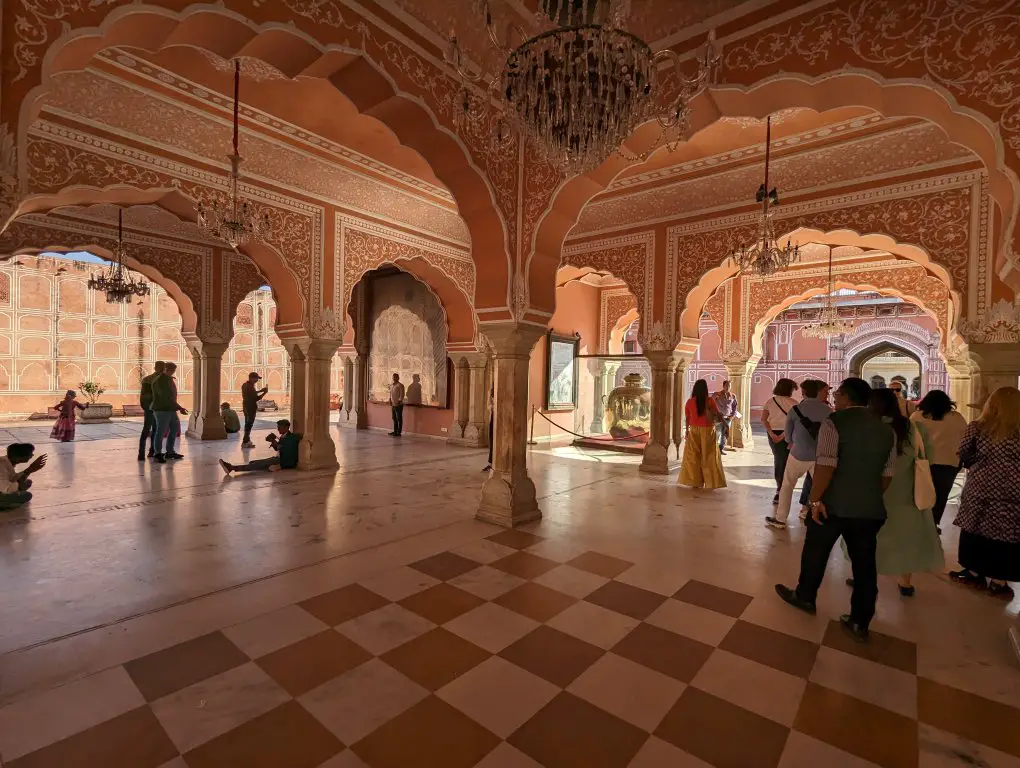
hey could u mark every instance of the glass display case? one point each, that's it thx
(614, 399)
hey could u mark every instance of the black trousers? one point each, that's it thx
(148, 433)
(861, 537)
(805, 491)
(943, 476)
(249, 422)
(780, 453)
(398, 419)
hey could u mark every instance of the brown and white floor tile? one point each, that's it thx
(309, 663)
(593, 624)
(273, 631)
(552, 655)
(941, 749)
(207, 709)
(59, 713)
(357, 702)
(692, 621)
(499, 695)
(803, 751)
(384, 629)
(487, 583)
(674, 655)
(878, 684)
(657, 753)
(571, 581)
(491, 626)
(755, 687)
(630, 691)
(435, 658)
(397, 583)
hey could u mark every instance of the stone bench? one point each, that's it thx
(267, 405)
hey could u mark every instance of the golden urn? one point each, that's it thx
(629, 409)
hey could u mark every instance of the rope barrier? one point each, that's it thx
(589, 437)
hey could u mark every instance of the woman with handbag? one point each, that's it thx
(989, 516)
(773, 418)
(942, 427)
(909, 541)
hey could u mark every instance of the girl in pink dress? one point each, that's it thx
(63, 430)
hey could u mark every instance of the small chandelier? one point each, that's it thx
(113, 282)
(581, 86)
(765, 256)
(232, 219)
(829, 324)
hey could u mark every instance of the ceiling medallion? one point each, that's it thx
(232, 219)
(113, 282)
(829, 324)
(580, 84)
(765, 257)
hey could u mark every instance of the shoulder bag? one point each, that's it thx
(812, 427)
(924, 487)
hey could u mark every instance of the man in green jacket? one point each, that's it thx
(286, 446)
(165, 409)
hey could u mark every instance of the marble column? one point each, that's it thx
(461, 400)
(297, 386)
(508, 496)
(476, 425)
(317, 449)
(347, 417)
(205, 421)
(739, 373)
(679, 399)
(359, 407)
(993, 366)
(597, 367)
(656, 459)
(962, 390)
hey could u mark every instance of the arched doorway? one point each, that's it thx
(884, 363)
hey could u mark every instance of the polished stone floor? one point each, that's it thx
(166, 617)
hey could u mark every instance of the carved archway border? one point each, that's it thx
(630, 258)
(362, 246)
(407, 93)
(892, 98)
(614, 304)
(698, 252)
(183, 271)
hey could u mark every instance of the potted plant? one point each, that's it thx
(94, 411)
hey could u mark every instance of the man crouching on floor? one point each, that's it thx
(286, 447)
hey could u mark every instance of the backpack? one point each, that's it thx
(812, 427)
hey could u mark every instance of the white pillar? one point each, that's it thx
(508, 496)
(205, 421)
(739, 373)
(475, 383)
(656, 458)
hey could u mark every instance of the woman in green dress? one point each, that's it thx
(909, 541)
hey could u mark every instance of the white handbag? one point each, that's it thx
(924, 486)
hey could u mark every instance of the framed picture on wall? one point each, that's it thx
(561, 372)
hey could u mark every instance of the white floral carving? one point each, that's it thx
(519, 297)
(999, 325)
(328, 325)
(656, 338)
(735, 353)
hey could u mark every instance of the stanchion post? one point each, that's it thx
(531, 440)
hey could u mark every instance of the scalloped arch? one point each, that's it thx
(372, 91)
(773, 312)
(889, 97)
(267, 260)
(189, 318)
(696, 299)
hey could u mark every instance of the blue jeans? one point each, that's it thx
(167, 425)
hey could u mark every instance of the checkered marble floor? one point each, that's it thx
(516, 651)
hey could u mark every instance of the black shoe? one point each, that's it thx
(849, 582)
(906, 591)
(141, 457)
(487, 468)
(152, 453)
(852, 628)
(392, 434)
(174, 456)
(160, 458)
(791, 597)
(772, 522)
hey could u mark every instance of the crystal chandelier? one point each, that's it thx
(829, 324)
(113, 282)
(232, 219)
(765, 257)
(580, 86)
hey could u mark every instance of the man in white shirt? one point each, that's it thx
(14, 485)
(397, 404)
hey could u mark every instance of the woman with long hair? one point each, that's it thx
(909, 541)
(773, 418)
(942, 427)
(63, 429)
(989, 516)
(702, 464)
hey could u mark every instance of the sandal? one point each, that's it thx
(967, 578)
(1001, 591)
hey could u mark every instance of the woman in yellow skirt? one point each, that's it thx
(702, 467)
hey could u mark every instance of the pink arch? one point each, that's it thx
(843, 88)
